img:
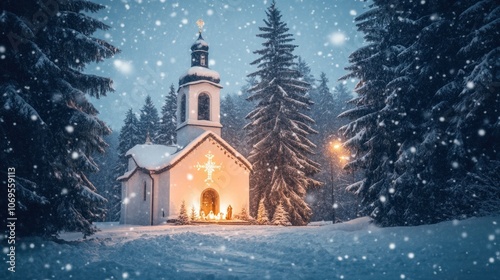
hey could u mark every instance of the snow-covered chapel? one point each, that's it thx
(202, 170)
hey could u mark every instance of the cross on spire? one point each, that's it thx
(200, 24)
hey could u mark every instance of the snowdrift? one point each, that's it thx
(357, 249)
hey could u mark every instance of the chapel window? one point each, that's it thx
(204, 107)
(183, 108)
(144, 191)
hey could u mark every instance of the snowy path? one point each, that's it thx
(467, 249)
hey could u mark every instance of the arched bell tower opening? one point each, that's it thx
(204, 107)
(209, 201)
(182, 108)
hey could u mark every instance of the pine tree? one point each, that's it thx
(105, 178)
(342, 95)
(281, 217)
(183, 218)
(129, 137)
(48, 128)
(278, 131)
(234, 109)
(425, 130)
(262, 215)
(325, 111)
(168, 122)
(149, 122)
(305, 76)
(328, 106)
(476, 126)
(233, 112)
(193, 214)
(373, 134)
(305, 73)
(243, 215)
(231, 121)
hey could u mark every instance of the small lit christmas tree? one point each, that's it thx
(262, 216)
(280, 217)
(243, 215)
(193, 214)
(183, 218)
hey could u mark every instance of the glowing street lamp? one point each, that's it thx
(337, 151)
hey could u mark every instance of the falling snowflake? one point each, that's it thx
(337, 38)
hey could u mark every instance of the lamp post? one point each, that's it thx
(333, 195)
(336, 149)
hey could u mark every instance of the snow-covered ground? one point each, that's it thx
(467, 249)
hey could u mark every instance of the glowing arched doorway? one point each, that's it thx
(209, 201)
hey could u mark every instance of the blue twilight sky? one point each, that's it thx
(155, 37)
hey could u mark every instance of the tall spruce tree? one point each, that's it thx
(425, 127)
(234, 109)
(305, 72)
(105, 178)
(342, 96)
(149, 121)
(168, 121)
(325, 113)
(48, 128)
(278, 130)
(129, 137)
(231, 120)
(328, 106)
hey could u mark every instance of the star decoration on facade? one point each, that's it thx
(208, 167)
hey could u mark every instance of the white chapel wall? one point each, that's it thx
(136, 209)
(162, 197)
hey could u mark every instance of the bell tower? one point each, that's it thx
(198, 96)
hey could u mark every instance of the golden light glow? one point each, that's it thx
(210, 216)
(200, 24)
(338, 150)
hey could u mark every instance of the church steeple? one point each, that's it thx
(198, 97)
(199, 53)
(199, 62)
(199, 49)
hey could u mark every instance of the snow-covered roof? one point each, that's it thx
(198, 82)
(152, 157)
(199, 44)
(158, 158)
(208, 134)
(126, 175)
(201, 72)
